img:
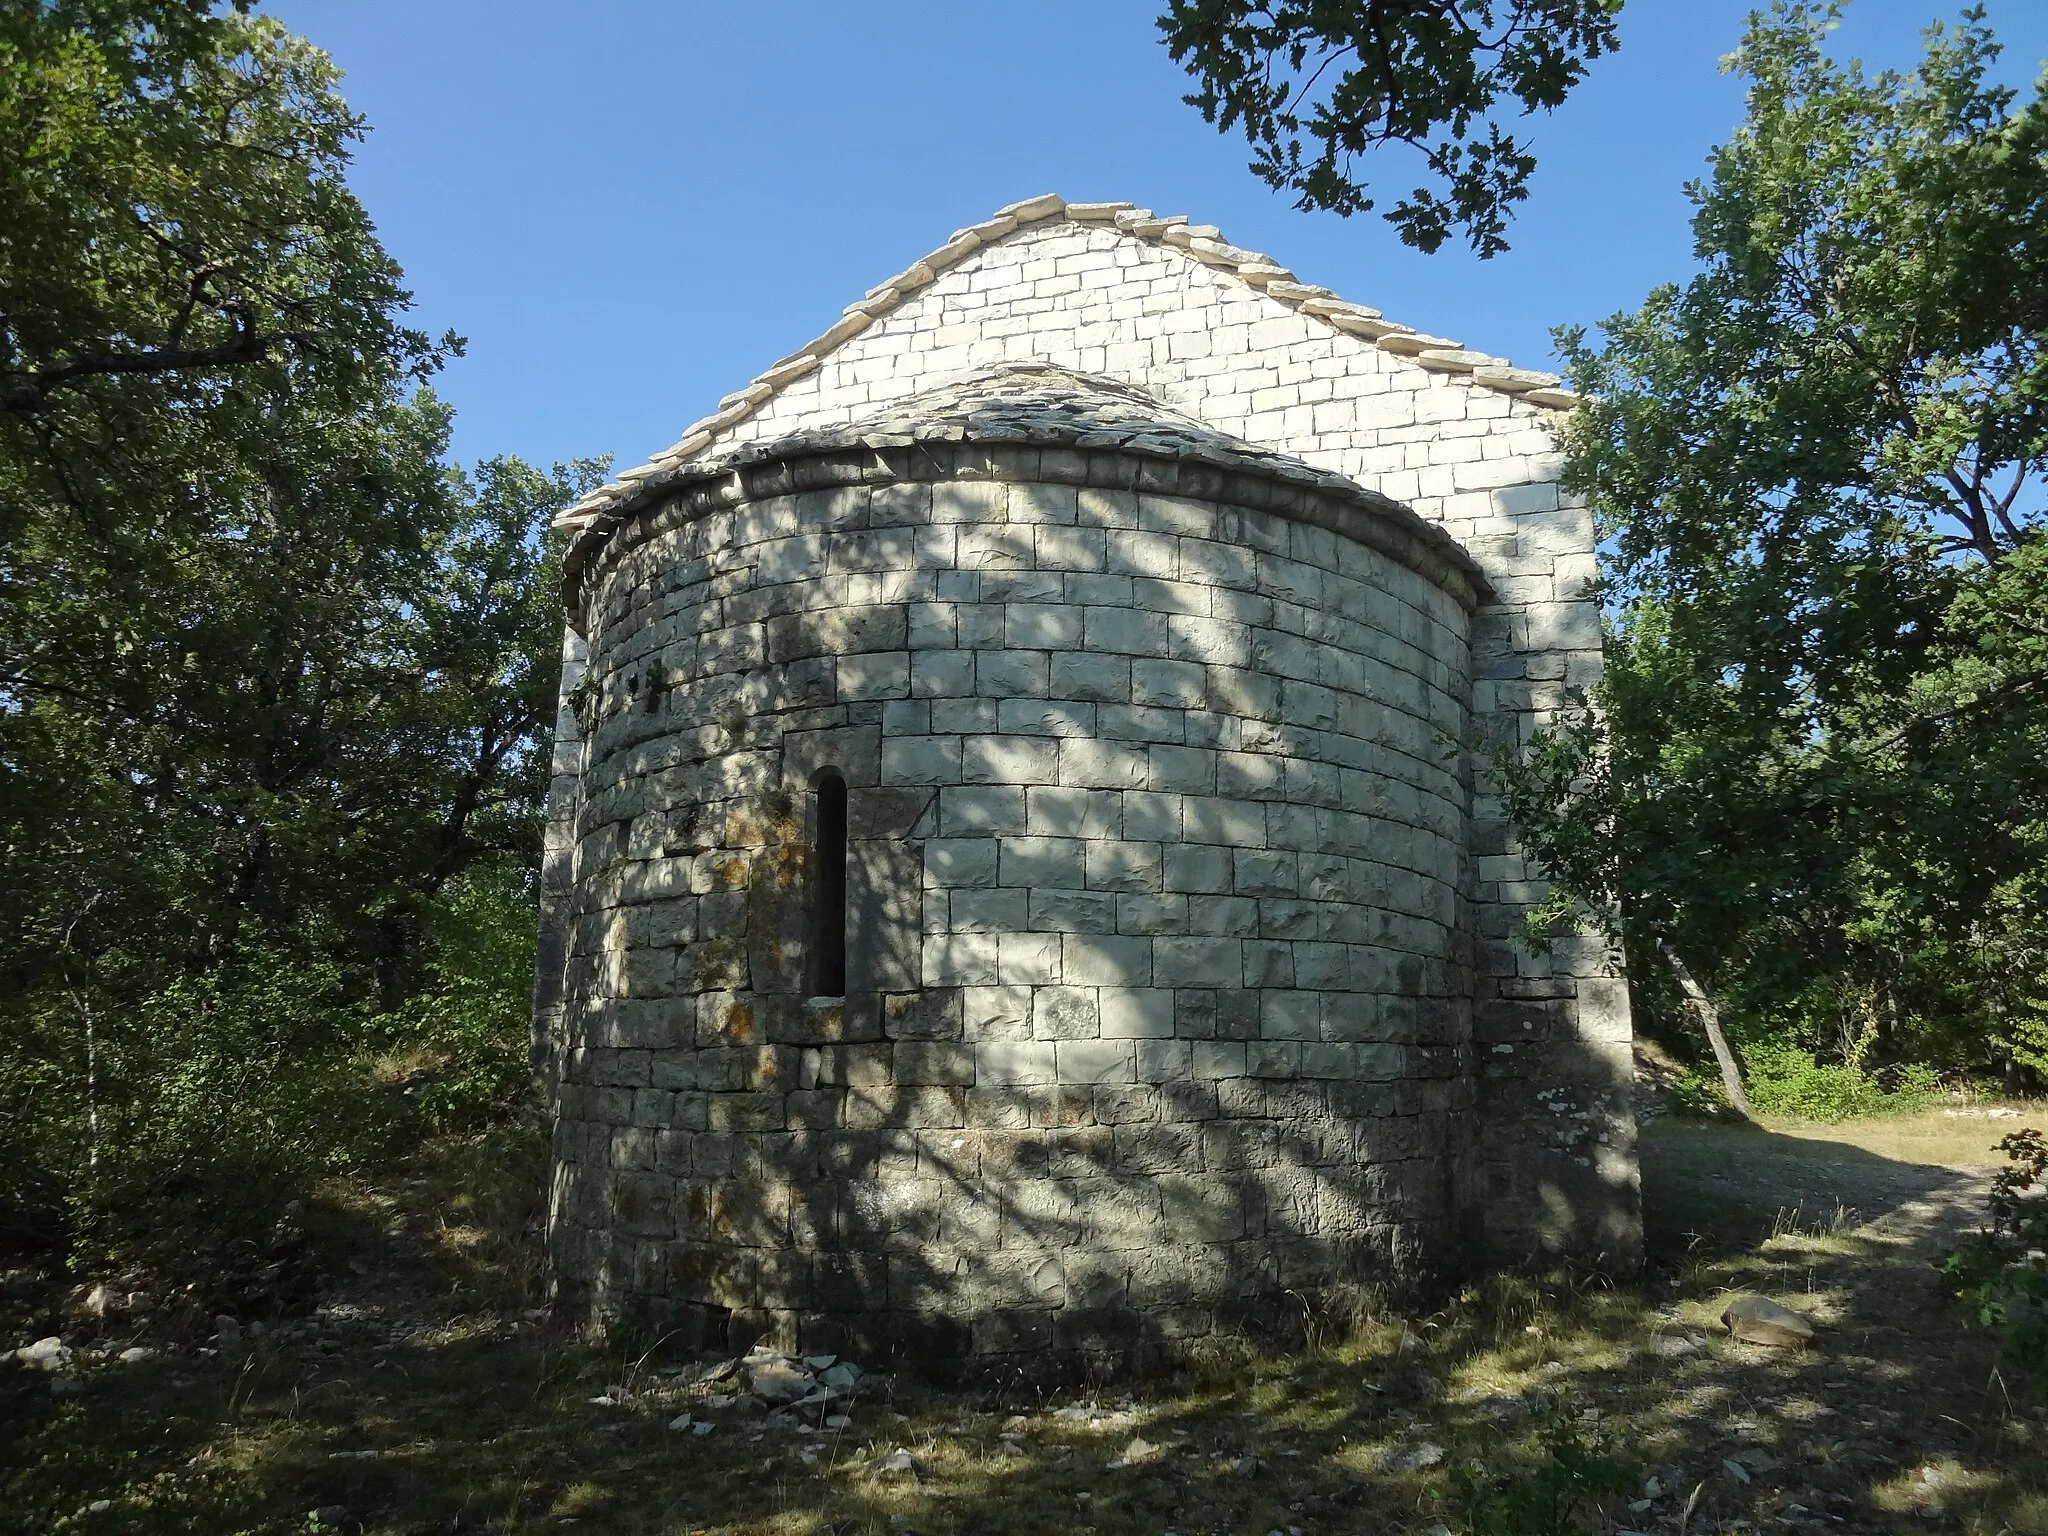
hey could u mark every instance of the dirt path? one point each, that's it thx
(1899, 1409)
(1745, 1181)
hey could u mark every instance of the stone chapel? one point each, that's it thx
(1022, 887)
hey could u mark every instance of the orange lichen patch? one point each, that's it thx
(719, 1273)
(780, 824)
(696, 1214)
(715, 965)
(825, 1023)
(737, 1027)
(729, 871)
(744, 828)
(781, 868)
(630, 1203)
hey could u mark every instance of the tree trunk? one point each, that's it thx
(1710, 1019)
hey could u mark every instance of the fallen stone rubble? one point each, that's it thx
(807, 1390)
(807, 1387)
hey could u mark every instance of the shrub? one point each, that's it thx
(1543, 1500)
(468, 1026)
(183, 1116)
(165, 1118)
(2001, 1275)
(1693, 1095)
(1786, 1080)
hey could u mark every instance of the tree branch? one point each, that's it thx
(25, 394)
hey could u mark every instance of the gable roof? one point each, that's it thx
(1203, 242)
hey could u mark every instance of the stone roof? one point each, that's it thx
(1029, 405)
(1043, 402)
(1203, 242)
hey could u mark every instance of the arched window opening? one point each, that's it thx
(828, 889)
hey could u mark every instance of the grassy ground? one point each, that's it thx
(1953, 1138)
(420, 1396)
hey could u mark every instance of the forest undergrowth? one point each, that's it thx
(407, 1380)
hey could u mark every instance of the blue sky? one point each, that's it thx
(630, 207)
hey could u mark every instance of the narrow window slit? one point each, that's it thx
(828, 889)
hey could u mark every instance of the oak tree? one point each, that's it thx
(1817, 767)
(1317, 85)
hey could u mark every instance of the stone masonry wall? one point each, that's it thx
(558, 866)
(1554, 1030)
(1158, 971)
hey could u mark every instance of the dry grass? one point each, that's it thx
(1961, 1138)
(437, 1405)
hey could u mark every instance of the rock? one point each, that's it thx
(811, 1407)
(1735, 1469)
(837, 1420)
(1935, 1478)
(1502, 1407)
(702, 1428)
(897, 1464)
(1414, 1459)
(777, 1380)
(680, 1422)
(101, 1300)
(226, 1331)
(1245, 1466)
(843, 1377)
(1759, 1320)
(135, 1353)
(1139, 1449)
(720, 1400)
(50, 1354)
(1671, 1346)
(1514, 380)
(821, 1362)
